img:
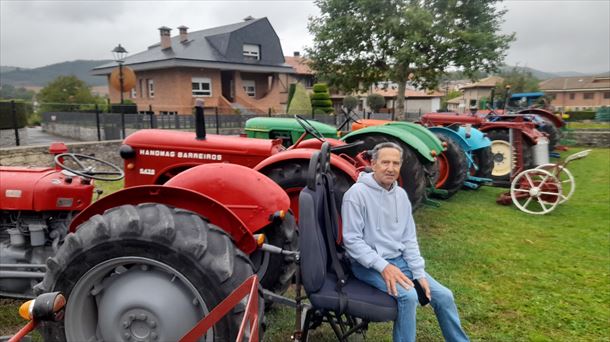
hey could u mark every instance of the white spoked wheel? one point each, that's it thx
(536, 191)
(568, 185)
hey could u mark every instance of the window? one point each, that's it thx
(202, 86)
(249, 87)
(151, 88)
(141, 83)
(572, 96)
(587, 96)
(607, 95)
(251, 51)
(134, 93)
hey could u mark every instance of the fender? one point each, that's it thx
(305, 154)
(317, 144)
(453, 135)
(201, 204)
(531, 134)
(401, 134)
(477, 139)
(422, 132)
(545, 114)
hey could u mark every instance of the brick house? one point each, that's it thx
(578, 93)
(236, 67)
(302, 72)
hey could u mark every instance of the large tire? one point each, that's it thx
(412, 172)
(484, 159)
(146, 272)
(453, 167)
(502, 155)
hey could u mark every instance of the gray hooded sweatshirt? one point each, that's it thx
(378, 225)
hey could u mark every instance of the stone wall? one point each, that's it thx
(590, 137)
(7, 137)
(40, 156)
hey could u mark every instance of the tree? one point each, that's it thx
(8, 91)
(375, 102)
(350, 103)
(359, 42)
(64, 91)
(300, 103)
(520, 81)
(452, 94)
(320, 99)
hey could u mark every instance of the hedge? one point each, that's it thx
(581, 115)
(22, 109)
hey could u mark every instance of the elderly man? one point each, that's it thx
(380, 240)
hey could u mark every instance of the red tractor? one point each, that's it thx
(123, 260)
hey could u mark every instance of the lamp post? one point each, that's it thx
(119, 53)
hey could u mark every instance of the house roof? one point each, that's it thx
(299, 64)
(456, 100)
(487, 82)
(218, 47)
(597, 82)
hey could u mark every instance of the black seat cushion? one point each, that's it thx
(363, 300)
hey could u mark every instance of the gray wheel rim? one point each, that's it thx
(133, 299)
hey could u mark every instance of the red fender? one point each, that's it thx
(527, 129)
(558, 122)
(306, 153)
(249, 194)
(199, 203)
(317, 144)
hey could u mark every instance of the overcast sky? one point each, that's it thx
(553, 35)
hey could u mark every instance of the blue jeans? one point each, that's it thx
(404, 325)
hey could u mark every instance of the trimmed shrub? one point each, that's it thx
(581, 115)
(320, 99)
(603, 114)
(375, 102)
(300, 103)
(290, 94)
(350, 102)
(23, 111)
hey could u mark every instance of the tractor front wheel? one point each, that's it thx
(146, 272)
(484, 160)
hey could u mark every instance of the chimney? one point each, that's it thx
(296, 54)
(183, 33)
(248, 18)
(166, 41)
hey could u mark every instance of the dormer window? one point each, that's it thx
(252, 51)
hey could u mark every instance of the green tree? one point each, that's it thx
(64, 94)
(320, 99)
(452, 94)
(519, 80)
(300, 103)
(358, 42)
(375, 102)
(8, 91)
(350, 103)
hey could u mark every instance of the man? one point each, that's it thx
(379, 237)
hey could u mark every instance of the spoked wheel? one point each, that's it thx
(536, 191)
(146, 272)
(568, 185)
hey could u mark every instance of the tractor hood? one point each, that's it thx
(265, 125)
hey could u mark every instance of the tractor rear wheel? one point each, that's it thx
(503, 154)
(484, 160)
(146, 272)
(412, 172)
(453, 167)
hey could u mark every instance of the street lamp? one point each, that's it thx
(119, 54)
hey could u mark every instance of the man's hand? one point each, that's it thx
(392, 276)
(424, 285)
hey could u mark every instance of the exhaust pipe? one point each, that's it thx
(199, 120)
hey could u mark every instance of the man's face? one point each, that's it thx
(386, 168)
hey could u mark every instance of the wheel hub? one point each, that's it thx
(535, 192)
(139, 325)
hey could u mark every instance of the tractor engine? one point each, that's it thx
(27, 239)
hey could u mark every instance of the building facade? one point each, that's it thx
(578, 93)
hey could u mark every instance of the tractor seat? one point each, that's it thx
(325, 273)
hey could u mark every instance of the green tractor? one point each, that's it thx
(420, 146)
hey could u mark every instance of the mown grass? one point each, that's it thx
(588, 125)
(516, 277)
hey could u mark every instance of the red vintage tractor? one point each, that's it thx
(124, 259)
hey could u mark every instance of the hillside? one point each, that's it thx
(20, 77)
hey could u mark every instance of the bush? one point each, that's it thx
(300, 103)
(581, 115)
(375, 102)
(320, 99)
(350, 103)
(603, 114)
(23, 111)
(290, 95)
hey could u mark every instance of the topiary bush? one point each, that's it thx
(290, 94)
(320, 99)
(375, 102)
(300, 103)
(350, 103)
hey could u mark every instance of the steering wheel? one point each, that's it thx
(89, 171)
(309, 128)
(350, 115)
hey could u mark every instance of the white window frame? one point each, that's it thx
(151, 88)
(134, 93)
(200, 81)
(249, 87)
(252, 51)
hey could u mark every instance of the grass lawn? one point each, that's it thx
(588, 125)
(516, 277)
